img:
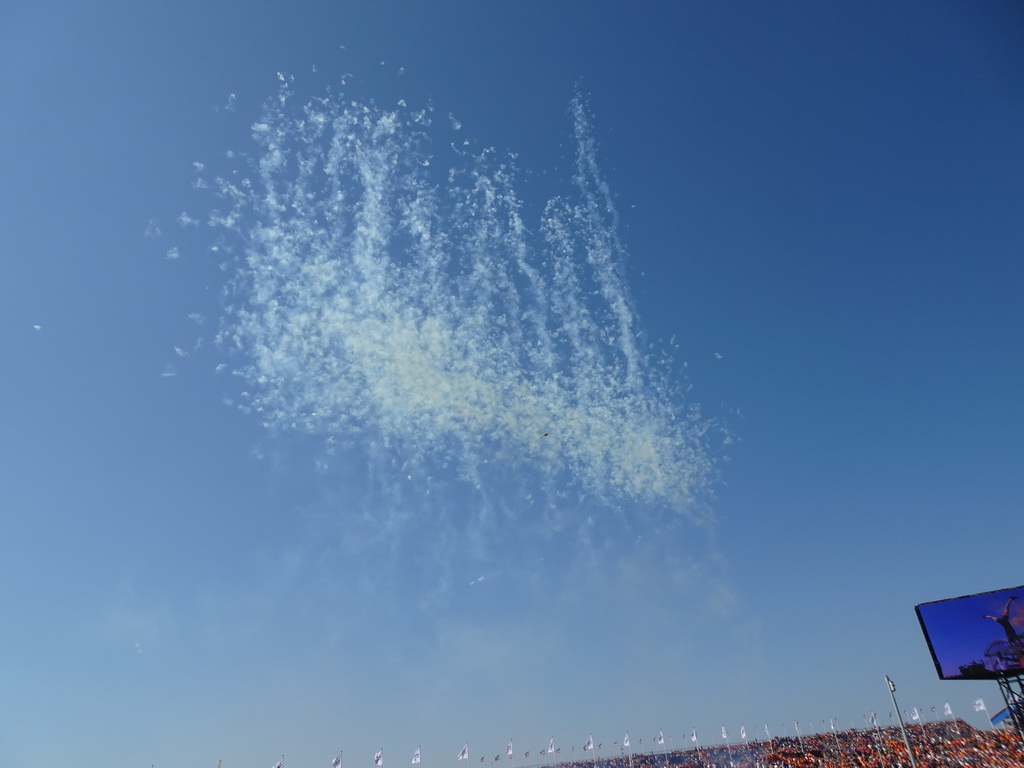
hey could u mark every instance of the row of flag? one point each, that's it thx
(916, 714)
(551, 750)
(378, 757)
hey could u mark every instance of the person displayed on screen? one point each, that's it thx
(1013, 655)
(1004, 622)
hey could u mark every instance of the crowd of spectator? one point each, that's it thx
(948, 744)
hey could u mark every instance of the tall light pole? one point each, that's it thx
(892, 692)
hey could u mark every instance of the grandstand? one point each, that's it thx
(946, 744)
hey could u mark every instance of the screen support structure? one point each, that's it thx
(1012, 688)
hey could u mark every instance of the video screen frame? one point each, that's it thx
(969, 636)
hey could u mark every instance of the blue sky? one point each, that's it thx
(754, 272)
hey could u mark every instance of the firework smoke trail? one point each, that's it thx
(381, 301)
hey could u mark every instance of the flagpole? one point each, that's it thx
(906, 739)
(839, 751)
(877, 735)
(956, 725)
(984, 709)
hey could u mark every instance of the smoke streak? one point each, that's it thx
(378, 300)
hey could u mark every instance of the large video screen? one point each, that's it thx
(976, 637)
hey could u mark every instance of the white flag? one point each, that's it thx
(661, 737)
(947, 710)
(464, 752)
(914, 714)
(625, 741)
(280, 764)
(797, 724)
(589, 744)
(767, 733)
(416, 756)
(979, 705)
(693, 735)
(508, 749)
(551, 745)
(874, 719)
(336, 762)
(725, 733)
(378, 757)
(743, 732)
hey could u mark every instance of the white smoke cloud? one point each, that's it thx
(417, 314)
